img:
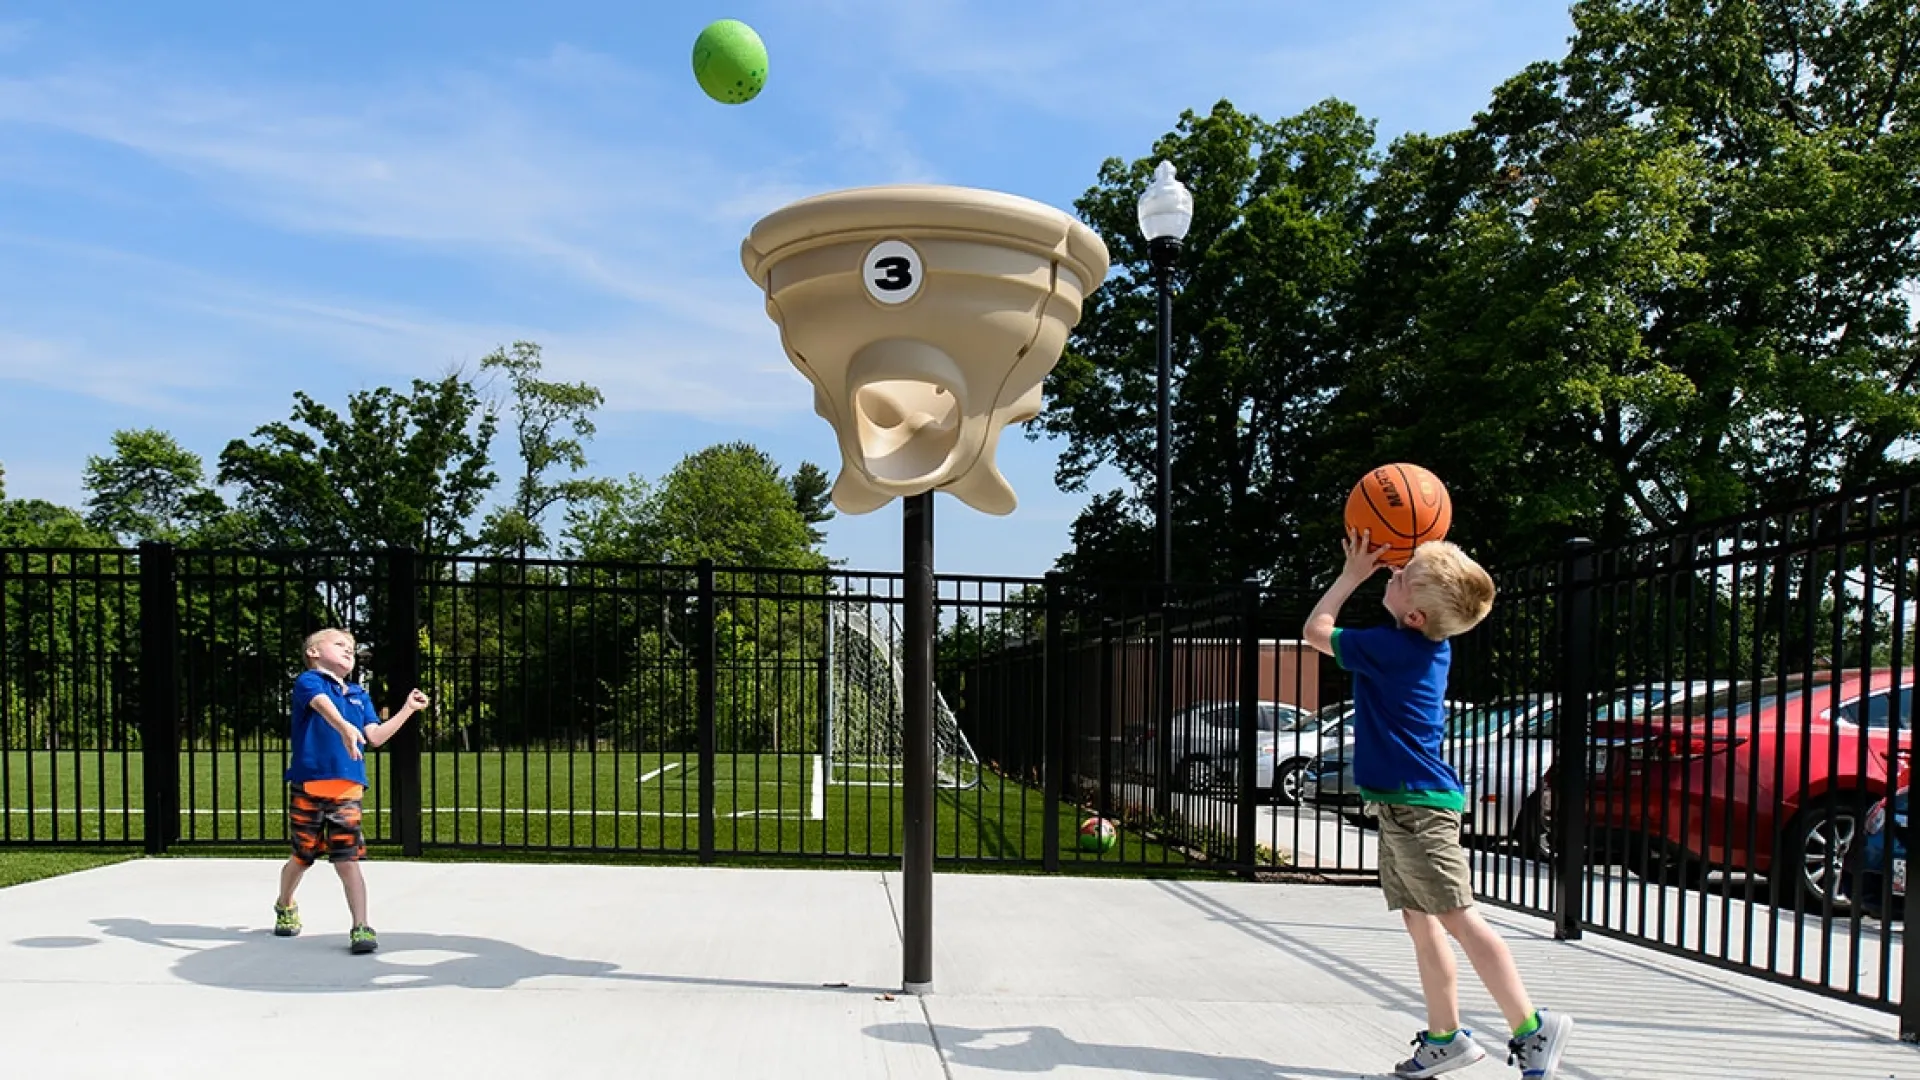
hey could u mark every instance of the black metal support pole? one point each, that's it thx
(916, 872)
(706, 616)
(1246, 818)
(1570, 740)
(1164, 250)
(1910, 958)
(159, 695)
(1053, 765)
(400, 664)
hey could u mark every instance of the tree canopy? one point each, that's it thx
(1662, 279)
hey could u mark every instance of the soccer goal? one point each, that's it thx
(866, 706)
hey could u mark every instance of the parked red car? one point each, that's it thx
(1770, 778)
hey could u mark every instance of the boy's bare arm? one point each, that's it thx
(347, 732)
(1362, 560)
(379, 733)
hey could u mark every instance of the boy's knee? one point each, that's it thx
(1463, 922)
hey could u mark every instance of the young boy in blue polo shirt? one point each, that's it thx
(327, 776)
(1399, 724)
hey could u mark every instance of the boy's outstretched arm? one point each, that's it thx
(1362, 560)
(379, 733)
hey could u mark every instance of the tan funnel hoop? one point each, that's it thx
(926, 317)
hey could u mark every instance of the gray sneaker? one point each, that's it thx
(1432, 1058)
(1538, 1055)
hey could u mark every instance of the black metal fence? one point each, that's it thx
(1684, 741)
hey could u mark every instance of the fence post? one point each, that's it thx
(1910, 958)
(1108, 721)
(1246, 819)
(707, 657)
(400, 661)
(159, 696)
(1054, 724)
(828, 714)
(1575, 604)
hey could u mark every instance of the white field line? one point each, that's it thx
(658, 771)
(371, 811)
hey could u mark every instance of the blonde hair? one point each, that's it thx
(314, 639)
(1449, 588)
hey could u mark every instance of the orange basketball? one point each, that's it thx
(1402, 506)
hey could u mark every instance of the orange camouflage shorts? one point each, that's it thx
(323, 826)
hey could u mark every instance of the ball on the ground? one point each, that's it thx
(1401, 506)
(1098, 834)
(730, 61)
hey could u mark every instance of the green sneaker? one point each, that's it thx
(286, 920)
(362, 940)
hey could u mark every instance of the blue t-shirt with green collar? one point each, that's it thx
(1399, 715)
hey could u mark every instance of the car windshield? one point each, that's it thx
(1288, 718)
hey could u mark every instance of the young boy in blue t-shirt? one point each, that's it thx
(327, 776)
(1399, 725)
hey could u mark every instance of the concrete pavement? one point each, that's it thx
(167, 968)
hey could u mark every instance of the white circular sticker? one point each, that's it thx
(892, 271)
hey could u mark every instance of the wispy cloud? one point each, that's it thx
(160, 379)
(1147, 62)
(468, 167)
(703, 358)
(462, 163)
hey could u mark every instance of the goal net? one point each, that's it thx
(866, 706)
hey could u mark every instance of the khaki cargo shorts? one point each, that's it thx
(1422, 865)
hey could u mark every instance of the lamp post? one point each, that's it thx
(1166, 211)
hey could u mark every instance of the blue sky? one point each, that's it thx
(206, 206)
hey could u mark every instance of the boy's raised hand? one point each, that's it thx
(1362, 557)
(417, 700)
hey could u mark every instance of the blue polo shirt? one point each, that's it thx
(1399, 715)
(317, 752)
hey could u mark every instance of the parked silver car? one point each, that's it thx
(1501, 751)
(1328, 783)
(1206, 739)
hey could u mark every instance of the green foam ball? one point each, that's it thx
(730, 61)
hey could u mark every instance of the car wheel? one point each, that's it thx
(1286, 782)
(1813, 851)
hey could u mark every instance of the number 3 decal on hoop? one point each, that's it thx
(892, 271)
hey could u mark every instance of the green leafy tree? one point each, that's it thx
(553, 422)
(729, 503)
(1277, 212)
(1659, 281)
(1664, 278)
(65, 640)
(613, 524)
(394, 470)
(36, 523)
(149, 488)
(813, 498)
